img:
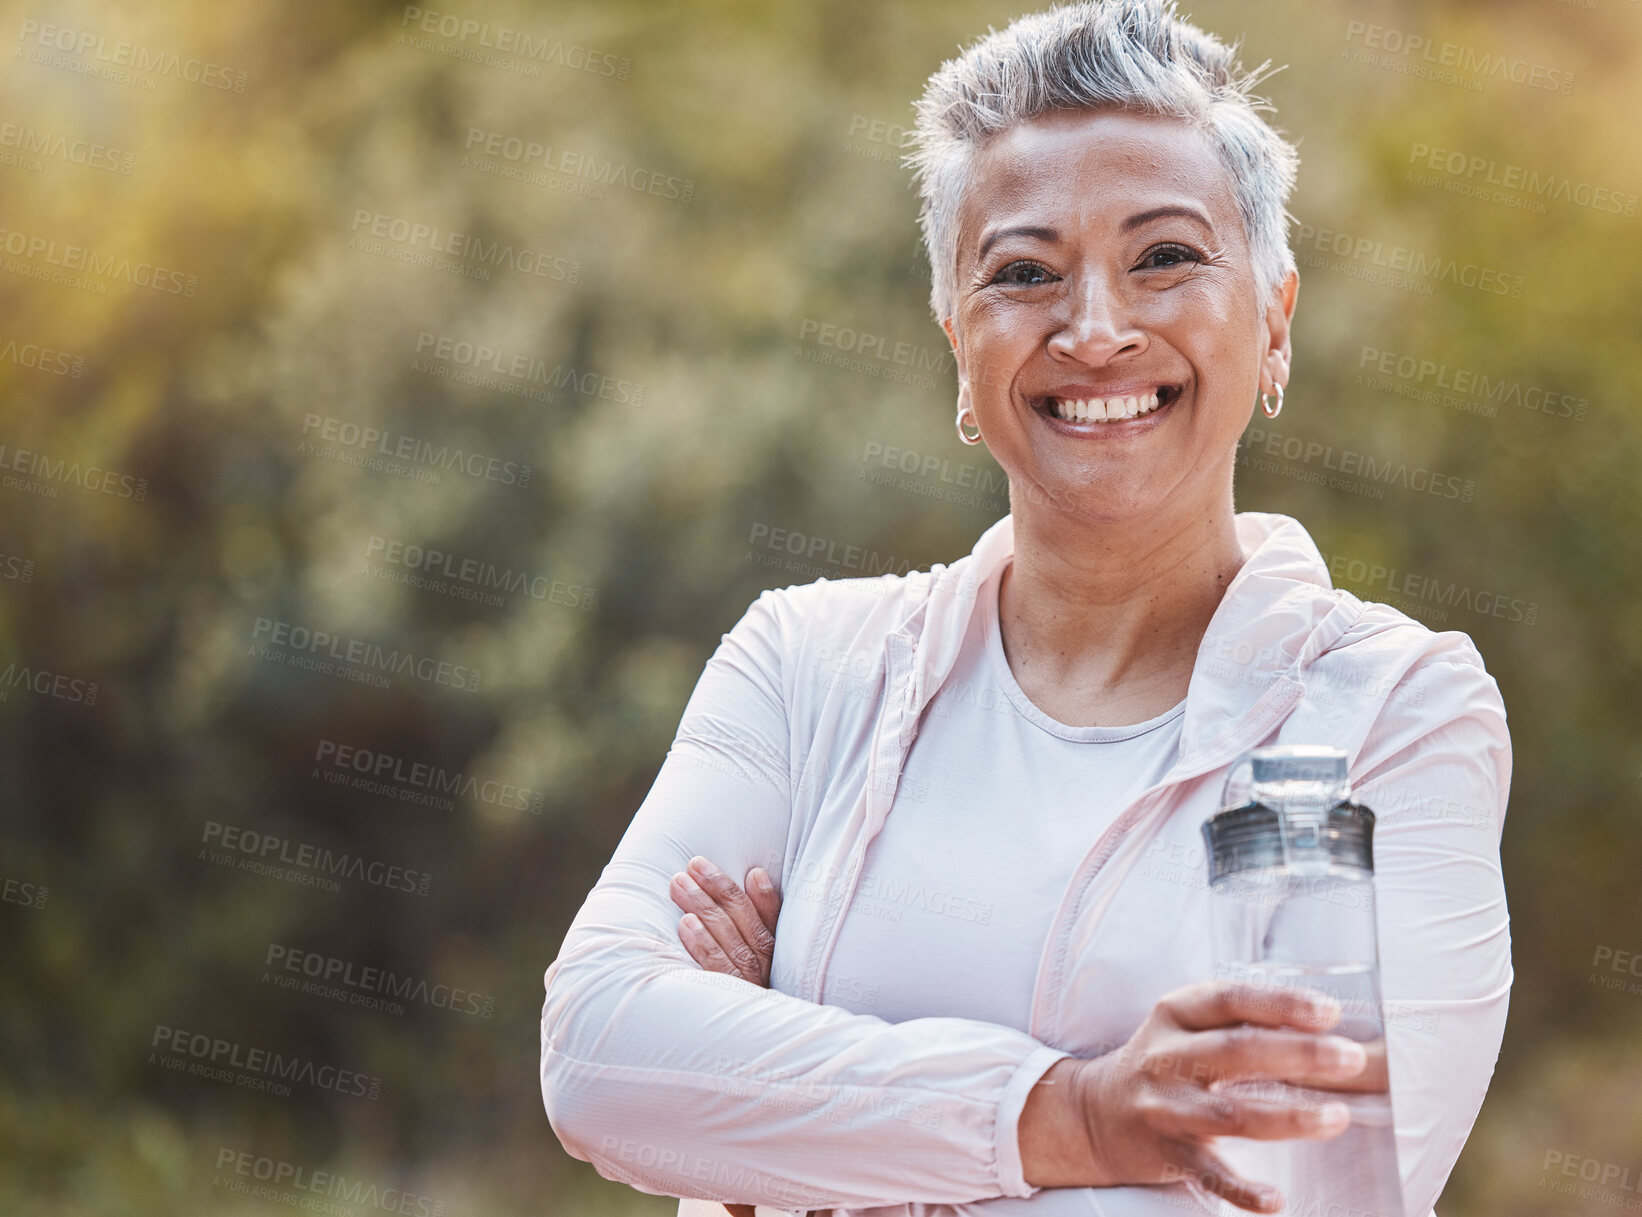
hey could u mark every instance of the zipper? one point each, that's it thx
(876, 805)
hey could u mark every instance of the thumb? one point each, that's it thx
(766, 900)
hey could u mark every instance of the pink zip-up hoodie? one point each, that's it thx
(681, 1082)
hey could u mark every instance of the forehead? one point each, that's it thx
(1089, 164)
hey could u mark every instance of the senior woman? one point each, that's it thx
(979, 788)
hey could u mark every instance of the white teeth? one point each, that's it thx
(1100, 409)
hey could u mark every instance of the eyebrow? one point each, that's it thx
(1133, 222)
(1025, 230)
(1170, 209)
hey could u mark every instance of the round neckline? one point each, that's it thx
(1017, 696)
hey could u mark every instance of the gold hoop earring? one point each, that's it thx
(964, 435)
(1265, 402)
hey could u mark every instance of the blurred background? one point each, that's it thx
(399, 403)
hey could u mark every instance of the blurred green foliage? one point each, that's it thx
(780, 120)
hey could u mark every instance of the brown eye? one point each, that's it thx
(1023, 274)
(1168, 257)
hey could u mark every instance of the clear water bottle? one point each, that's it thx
(1291, 877)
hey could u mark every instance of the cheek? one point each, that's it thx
(1201, 302)
(1215, 333)
(995, 350)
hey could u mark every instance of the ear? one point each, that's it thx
(963, 367)
(1277, 351)
(957, 351)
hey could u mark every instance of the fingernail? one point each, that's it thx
(1344, 1054)
(762, 881)
(702, 867)
(689, 884)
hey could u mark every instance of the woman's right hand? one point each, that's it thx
(1147, 1113)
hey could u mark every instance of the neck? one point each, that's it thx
(1114, 613)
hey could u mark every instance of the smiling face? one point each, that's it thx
(1102, 269)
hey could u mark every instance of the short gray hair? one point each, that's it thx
(1135, 55)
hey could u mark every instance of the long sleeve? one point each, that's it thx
(681, 1082)
(1438, 776)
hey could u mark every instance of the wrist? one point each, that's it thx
(1054, 1138)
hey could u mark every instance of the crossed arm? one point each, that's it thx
(1144, 1114)
(727, 1091)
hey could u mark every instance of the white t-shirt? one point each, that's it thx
(997, 805)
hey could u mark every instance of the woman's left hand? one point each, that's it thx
(726, 928)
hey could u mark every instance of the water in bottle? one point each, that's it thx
(1291, 876)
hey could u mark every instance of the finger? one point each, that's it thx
(1246, 1051)
(697, 941)
(704, 948)
(1261, 1111)
(1200, 1165)
(1375, 1077)
(1220, 1003)
(734, 900)
(718, 923)
(764, 897)
(729, 896)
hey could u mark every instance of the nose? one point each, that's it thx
(1099, 325)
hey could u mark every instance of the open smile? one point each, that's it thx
(1135, 409)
